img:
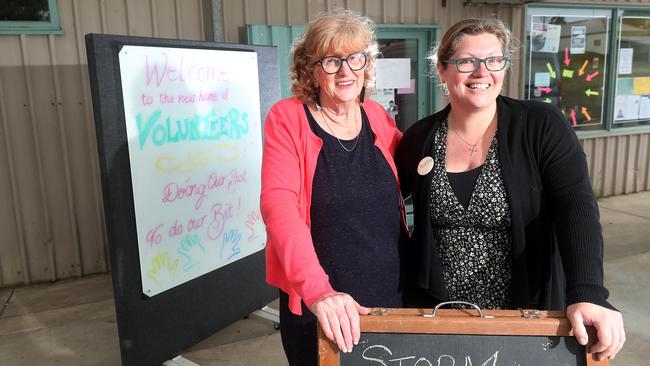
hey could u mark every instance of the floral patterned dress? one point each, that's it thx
(474, 243)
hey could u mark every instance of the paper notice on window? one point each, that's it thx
(578, 40)
(624, 86)
(409, 90)
(545, 37)
(385, 97)
(644, 106)
(625, 61)
(641, 85)
(542, 79)
(393, 73)
(626, 107)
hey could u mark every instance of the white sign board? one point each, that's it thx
(195, 148)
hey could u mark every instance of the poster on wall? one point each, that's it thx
(195, 149)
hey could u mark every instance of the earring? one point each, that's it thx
(444, 88)
(362, 95)
(317, 100)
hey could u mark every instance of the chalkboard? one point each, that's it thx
(158, 325)
(410, 337)
(437, 349)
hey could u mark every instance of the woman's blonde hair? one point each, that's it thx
(329, 34)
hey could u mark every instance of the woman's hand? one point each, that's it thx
(608, 324)
(338, 316)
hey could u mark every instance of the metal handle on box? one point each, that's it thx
(480, 313)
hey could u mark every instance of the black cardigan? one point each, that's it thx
(557, 243)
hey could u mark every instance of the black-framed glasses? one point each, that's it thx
(471, 64)
(332, 64)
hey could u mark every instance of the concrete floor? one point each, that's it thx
(73, 322)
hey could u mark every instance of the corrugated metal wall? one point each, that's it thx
(619, 164)
(50, 196)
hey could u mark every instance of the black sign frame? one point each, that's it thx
(155, 329)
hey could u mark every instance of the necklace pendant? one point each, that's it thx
(356, 140)
(472, 150)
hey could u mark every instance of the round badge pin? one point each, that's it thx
(425, 165)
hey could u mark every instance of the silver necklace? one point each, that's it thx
(471, 148)
(356, 124)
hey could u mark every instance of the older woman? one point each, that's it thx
(330, 198)
(504, 213)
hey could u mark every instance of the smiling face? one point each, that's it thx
(478, 90)
(342, 87)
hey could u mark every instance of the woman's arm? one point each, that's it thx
(576, 220)
(573, 208)
(289, 235)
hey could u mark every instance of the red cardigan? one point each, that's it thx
(288, 165)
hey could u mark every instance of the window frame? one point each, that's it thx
(14, 27)
(620, 13)
(611, 62)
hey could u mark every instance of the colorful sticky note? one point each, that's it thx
(641, 85)
(542, 79)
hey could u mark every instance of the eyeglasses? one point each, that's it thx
(471, 64)
(332, 64)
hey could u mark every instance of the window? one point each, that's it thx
(567, 63)
(632, 103)
(29, 17)
(592, 63)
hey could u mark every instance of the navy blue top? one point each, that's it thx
(355, 218)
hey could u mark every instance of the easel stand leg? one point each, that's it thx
(270, 314)
(179, 361)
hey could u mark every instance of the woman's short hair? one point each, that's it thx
(332, 33)
(472, 26)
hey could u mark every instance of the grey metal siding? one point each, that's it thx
(51, 204)
(619, 164)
